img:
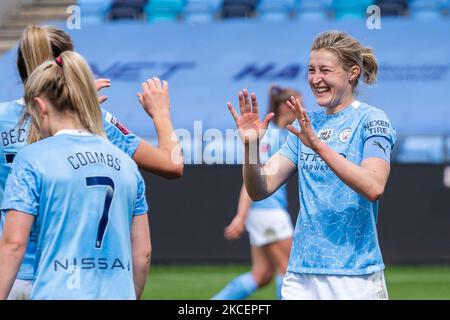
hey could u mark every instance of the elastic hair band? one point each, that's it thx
(59, 61)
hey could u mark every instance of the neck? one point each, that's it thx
(341, 106)
(64, 122)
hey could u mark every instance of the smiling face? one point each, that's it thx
(330, 83)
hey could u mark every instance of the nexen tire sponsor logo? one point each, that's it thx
(377, 126)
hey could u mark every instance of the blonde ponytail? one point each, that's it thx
(69, 86)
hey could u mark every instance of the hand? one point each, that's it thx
(234, 229)
(99, 85)
(155, 97)
(306, 134)
(250, 127)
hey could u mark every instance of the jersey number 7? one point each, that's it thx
(109, 184)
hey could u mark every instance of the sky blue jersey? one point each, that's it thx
(83, 192)
(14, 138)
(336, 231)
(270, 143)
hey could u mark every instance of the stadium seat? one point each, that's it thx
(392, 7)
(127, 9)
(201, 10)
(238, 8)
(350, 9)
(312, 10)
(163, 10)
(275, 9)
(421, 149)
(94, 11)
(426, 9)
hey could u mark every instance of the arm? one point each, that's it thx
(369, 179)
(260, 180)
(13, 243)
(235, 229)
(165, 160)
(142, 250)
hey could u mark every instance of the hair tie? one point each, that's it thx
(59, 61)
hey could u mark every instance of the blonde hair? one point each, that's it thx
(350, 53)
(69, 86)
(38, 44)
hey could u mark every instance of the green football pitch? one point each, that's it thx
(202, 282)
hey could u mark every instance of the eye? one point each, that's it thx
(310, 70)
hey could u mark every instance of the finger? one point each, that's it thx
(151, 84)
(165, 86)
(145, 86)
(254, 103)
(141, 98)
(102, 99)
(294, 110)
(102, 84)
(233, 112)
(157, 82)
(247, 107)
(241, 102)
(267, 119)
(292, 129)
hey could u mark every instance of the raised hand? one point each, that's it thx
(99, 85)
(250, 127)
(155, 97)
(235, 229)
(306, 134)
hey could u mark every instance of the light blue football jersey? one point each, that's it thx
(336, 231)
(269, 145)
(14, 139)
(84, 192)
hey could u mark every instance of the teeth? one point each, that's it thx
(322, 90)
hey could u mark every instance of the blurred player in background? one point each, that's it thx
(39, 44)
(342, 156)
(267, 221)
(84, 197)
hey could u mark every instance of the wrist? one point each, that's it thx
(319, 146)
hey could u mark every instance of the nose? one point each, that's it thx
(315, 79)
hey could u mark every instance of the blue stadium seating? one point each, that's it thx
(238, 8)
(163, 10)
(392, 7)
(351, 9)
(201, 10)
(275, 9)
(314, 10)
(421, 149)
(94, 11)
(127, 9)
(426, 9)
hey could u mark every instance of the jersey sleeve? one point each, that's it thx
(22, 187)
(289, 149)
(377, 124)
(141, 206)
(119, 135)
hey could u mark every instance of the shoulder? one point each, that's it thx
(15, 106)
(369, 113)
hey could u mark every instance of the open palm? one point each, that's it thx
(250, 126)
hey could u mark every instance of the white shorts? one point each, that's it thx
(21, 290)
(265, 226)
(299, 286)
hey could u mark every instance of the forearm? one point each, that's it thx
(361, 180)
(167, 139)
(141, 268)
(244, 204)
(10, 259)
(254, 180)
